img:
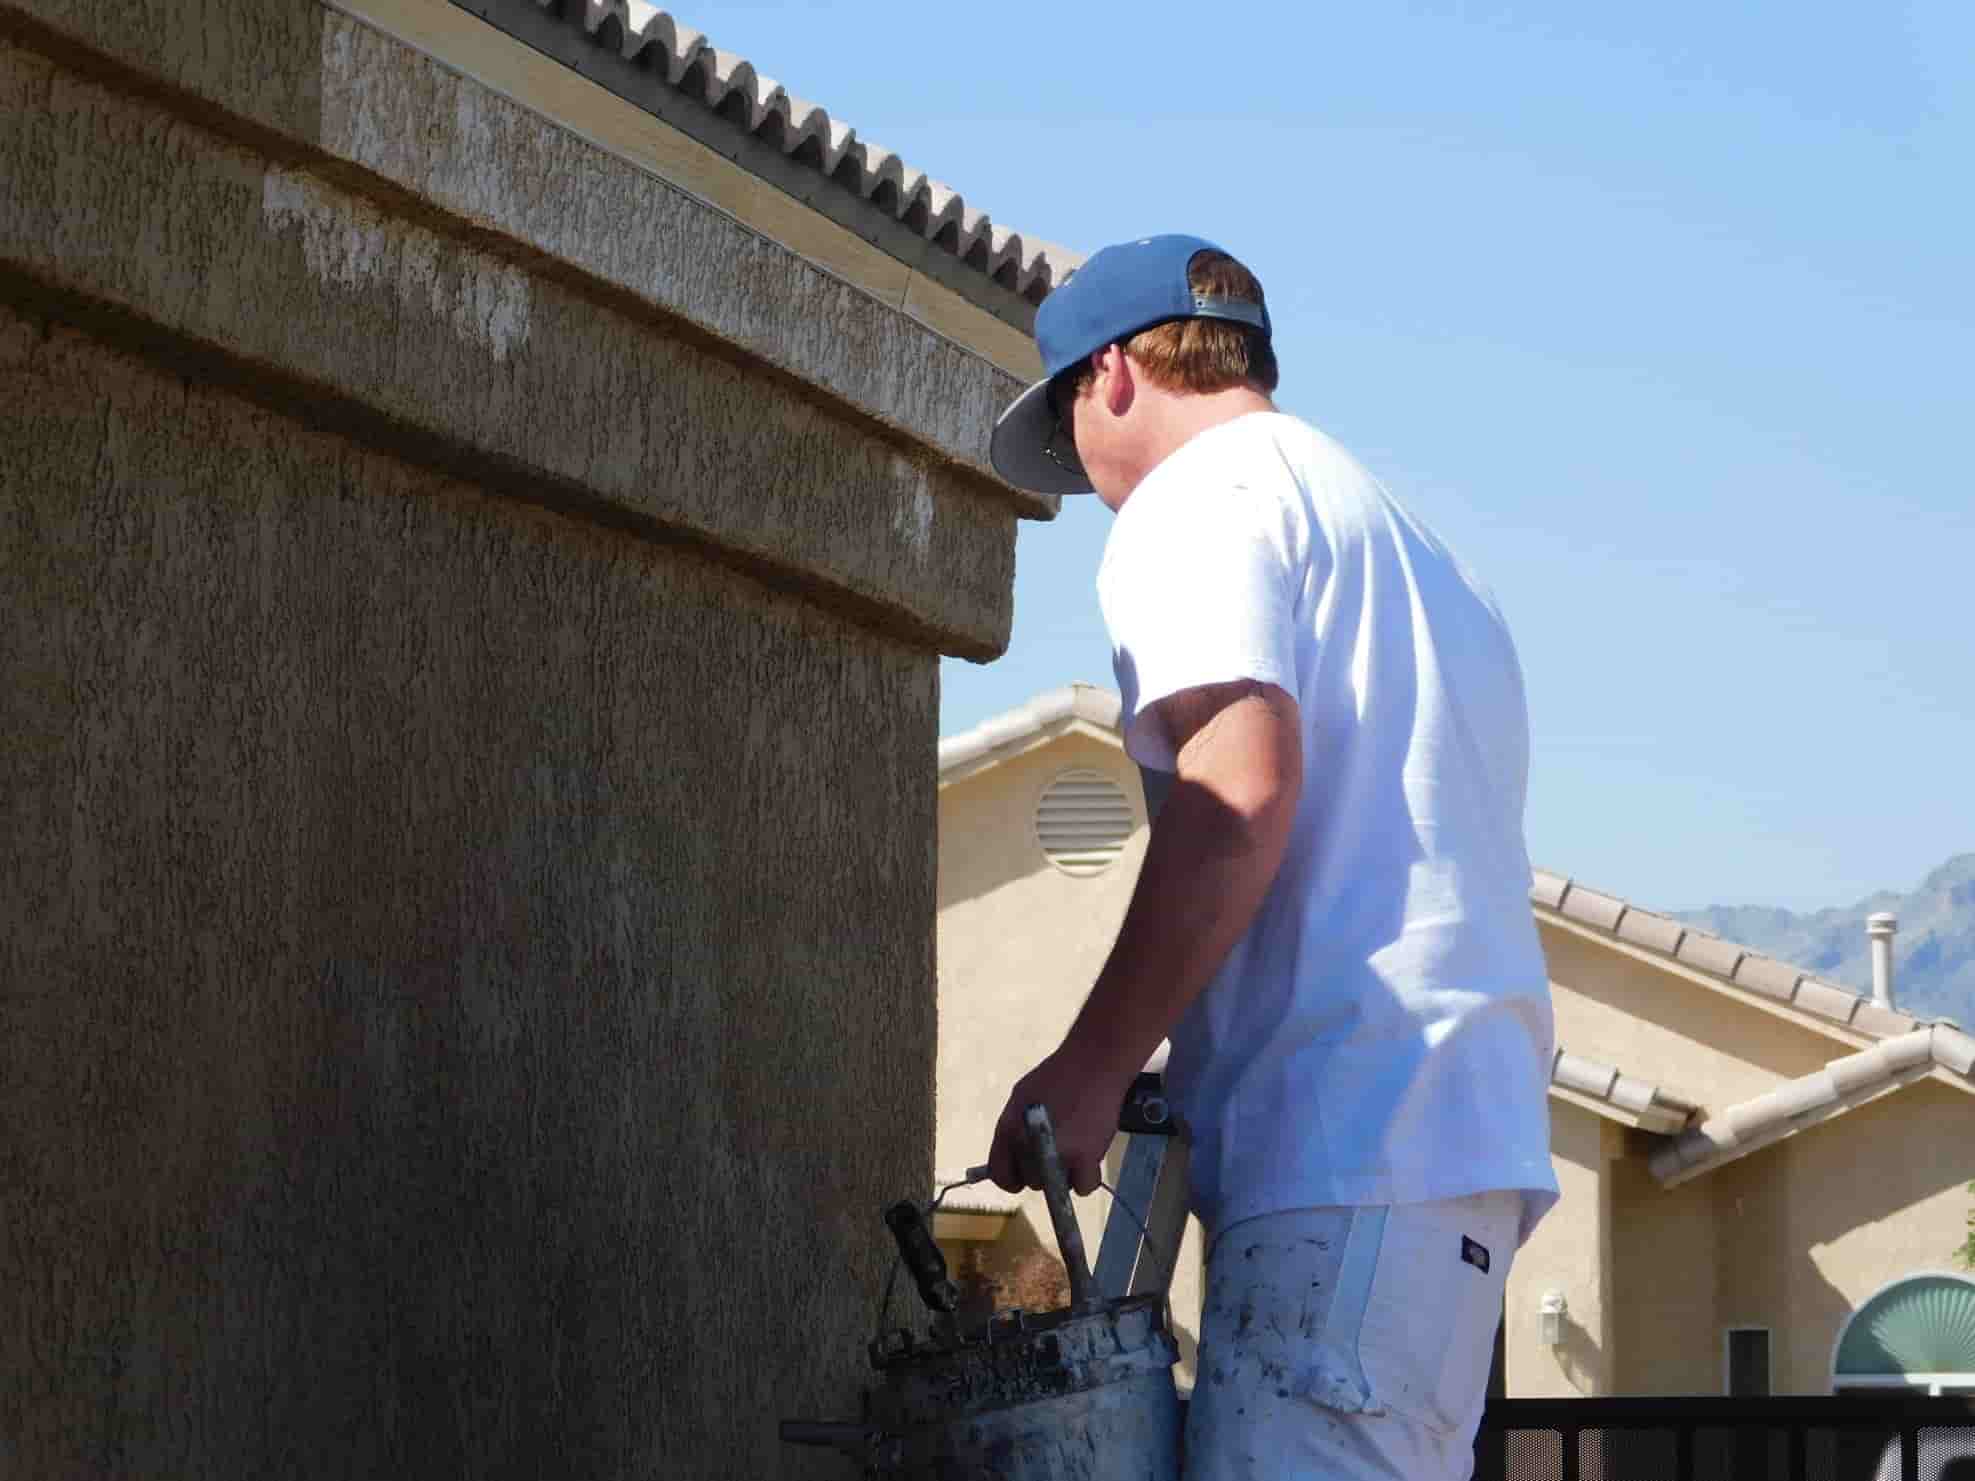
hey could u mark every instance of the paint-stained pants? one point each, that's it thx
(1346, 1343)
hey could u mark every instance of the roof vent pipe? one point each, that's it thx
(1880, 928)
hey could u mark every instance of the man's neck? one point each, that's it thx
(1175, 418)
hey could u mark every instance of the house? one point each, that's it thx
(1765, 1176)
(484, 494)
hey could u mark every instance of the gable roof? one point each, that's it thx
(1083, 708)
(1616, 1096)
(656, 62)
(1699, 954)
(1809, 1099)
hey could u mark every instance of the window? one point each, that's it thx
(1748, 1362)
(1917, 1334)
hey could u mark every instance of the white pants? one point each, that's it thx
(1349, 1343)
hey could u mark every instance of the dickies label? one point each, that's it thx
(1475, 1253)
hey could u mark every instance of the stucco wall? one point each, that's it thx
(467, 890)
(1652, 1023)
(1570, 1252)
(1666, 1281)
(465, 973)
(1878, 1194)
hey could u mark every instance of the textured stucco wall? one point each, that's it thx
(465, 973)
(1667, 1285)
(467, 886)
(1569, 1252)
(1659, 1026)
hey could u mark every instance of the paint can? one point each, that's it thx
(1081, 1394)
(1061, 1396)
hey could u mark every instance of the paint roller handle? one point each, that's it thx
(1056, 1193)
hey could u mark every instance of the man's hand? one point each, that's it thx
(1083, 1100)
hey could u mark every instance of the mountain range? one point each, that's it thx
(1933, 954)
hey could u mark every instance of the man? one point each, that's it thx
(1332, 923)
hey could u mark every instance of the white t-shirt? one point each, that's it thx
(1382, 1033)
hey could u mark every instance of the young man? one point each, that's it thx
(1332, 924)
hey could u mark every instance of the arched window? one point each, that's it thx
(1917, 1333)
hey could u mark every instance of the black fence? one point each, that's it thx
(1894, 1438)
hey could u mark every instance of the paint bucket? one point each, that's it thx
(1081, 1394)
(1061, 1396)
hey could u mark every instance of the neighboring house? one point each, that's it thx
(1701, 1243)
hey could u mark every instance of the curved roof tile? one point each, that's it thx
(729, 84)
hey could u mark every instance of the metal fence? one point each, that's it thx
(1875, 1438)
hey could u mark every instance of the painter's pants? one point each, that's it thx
(1346, 1344)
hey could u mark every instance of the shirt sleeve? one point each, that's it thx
(1201, 588)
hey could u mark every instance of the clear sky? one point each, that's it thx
(1662, 315)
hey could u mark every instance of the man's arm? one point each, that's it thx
(1214, 852)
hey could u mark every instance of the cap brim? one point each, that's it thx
(1016, 449)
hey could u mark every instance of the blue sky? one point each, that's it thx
(1661, 315)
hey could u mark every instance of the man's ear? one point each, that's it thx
(1114, 379)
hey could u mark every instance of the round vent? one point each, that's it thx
(1082, 821)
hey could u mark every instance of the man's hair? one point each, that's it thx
(1197, 355)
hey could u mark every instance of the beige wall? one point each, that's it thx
(1019, 944)
(1657, 1025)
(1569, 1252)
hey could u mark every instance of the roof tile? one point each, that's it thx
(1880, 1022)
(1709, 953)
(1766, 975)
(1654, 932)
(1548, 889)
(1825, 1000)
(729, 85)
(1954, 1049)
(1592, 908)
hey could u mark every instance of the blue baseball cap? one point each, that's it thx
(1114, 295)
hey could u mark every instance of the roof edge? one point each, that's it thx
(658, 63)
(1703, 956)
(1006, 735)
(1935, 1050)
(1619, 1097)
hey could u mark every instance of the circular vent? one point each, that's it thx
(1082, 821)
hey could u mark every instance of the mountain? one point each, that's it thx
(1933, 954)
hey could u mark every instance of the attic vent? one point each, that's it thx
(1082, 822)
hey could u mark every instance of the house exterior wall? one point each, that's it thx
(1795, 1236)
(1570, 1252)
(1876, 1195)
(1653, 1022)
(466, 905)
(1665, 1282)
(1020, 942)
